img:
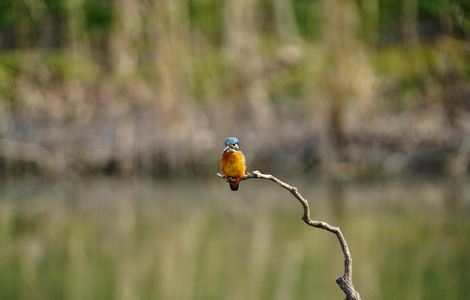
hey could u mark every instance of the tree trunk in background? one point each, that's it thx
(348, 78)
(171, 57)
(286, 24)
(77, 43)
(125, 38)
(370, 21)
(76, 37)
(125, 41)
(339, 30)
(446, 18)
(246, 82)
(22, 28)
(410, 17)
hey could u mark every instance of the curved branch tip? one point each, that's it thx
(344, 282)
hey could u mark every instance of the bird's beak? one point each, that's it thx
(228, 149)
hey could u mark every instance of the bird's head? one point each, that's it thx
(232, 144)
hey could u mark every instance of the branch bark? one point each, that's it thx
(344, 282)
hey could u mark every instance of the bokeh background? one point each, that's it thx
(113, 115)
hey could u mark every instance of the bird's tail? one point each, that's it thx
(234, 184)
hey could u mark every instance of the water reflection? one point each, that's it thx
(130, 239)
(336, 196)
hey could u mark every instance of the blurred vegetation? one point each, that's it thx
(349, 88)
(125, 239)
(154, 86)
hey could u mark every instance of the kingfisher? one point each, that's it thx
(232, 162)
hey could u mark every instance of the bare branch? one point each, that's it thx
(345, 281)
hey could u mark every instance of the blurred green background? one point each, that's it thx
(153, 87)
(113, 115)
(114, 238)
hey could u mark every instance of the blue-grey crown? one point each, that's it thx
(231, 140)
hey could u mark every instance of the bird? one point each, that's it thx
(232, 162)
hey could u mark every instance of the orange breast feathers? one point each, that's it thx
(232, 164)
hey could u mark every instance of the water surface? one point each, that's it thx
(107, 238)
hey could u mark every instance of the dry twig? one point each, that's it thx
(345, 281)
